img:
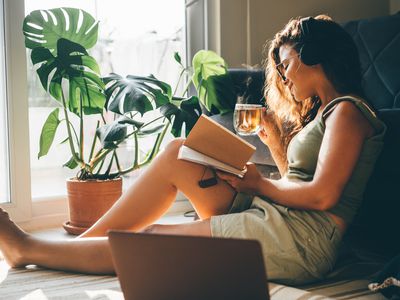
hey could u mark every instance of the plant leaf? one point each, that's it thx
(73, 64)
(219, 96)
(126, 120)
(151, 130)
(177, 57)
(186, 113)
(110, 133)
(207, 63)
(213, 82)
(64, 141)
(43, 28)
(135, 93)
(48, 132)
(71, 163)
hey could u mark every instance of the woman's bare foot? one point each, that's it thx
(13, 241)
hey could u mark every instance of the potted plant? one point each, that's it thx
(72, 78)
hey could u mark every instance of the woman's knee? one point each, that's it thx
(173, 147)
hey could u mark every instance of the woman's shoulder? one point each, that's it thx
(350, 104)
(353, 111)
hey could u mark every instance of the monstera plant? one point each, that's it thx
(60, 43)
(59, 40)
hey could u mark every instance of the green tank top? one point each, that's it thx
(304, 148)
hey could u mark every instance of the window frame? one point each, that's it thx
(45, 212)
(20, 208)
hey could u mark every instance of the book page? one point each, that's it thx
(189, 154)
(214, 140)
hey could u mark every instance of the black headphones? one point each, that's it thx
(312, 52)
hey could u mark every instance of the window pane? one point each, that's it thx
(135, 37)
(4, 169)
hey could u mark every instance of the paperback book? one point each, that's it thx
(211, 144)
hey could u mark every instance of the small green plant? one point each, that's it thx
(72, 78)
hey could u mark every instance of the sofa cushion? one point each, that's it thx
(376, 225)
(378, 42)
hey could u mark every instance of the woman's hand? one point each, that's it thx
(249, 183)
(269, 133)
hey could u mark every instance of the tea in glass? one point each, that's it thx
(247, 118)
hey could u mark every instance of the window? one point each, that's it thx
(130, 26)
(13, 111)
(135, 37)
(4, 168)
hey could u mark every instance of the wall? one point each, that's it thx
(394, 6)
(243, 26)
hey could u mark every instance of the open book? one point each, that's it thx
(211, 144)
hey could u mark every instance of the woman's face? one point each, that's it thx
(300, 78)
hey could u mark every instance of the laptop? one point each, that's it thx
(167, 267)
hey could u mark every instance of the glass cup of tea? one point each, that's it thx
(247, 119)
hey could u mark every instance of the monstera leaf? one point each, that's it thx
(213, 83)
(43, 28)
(73, 63)
(187, 112)
(111, 133)
(218, 94)
(135, 93)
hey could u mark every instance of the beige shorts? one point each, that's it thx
(298, 246)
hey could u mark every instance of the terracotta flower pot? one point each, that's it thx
(88, 201)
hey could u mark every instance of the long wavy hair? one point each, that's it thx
(341, 65)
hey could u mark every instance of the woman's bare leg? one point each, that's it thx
(91, 255)
(143, 203)
(85, 255)
(155, 190)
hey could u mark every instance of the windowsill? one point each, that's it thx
(50, 207)
(51, 214)
(59, 233)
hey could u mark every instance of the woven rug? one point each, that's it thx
(42, 284)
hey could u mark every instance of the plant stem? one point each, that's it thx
(156, 146)
(110, 164)
(81, 138)
(94, 141)
(100, 155)
(117, 161)
(179, 80)
(152, 121)
(186, 88)
(71, 142)
(73, 129)
(135, 138)
(101, 166)
(153, 152)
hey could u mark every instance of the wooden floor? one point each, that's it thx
(35, 283)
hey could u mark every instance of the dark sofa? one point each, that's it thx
(373, 237)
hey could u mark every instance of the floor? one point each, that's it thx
(35, 283)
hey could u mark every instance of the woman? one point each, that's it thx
(323, 137)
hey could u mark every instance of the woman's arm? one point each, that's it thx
(271, 136)
(346, 130)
